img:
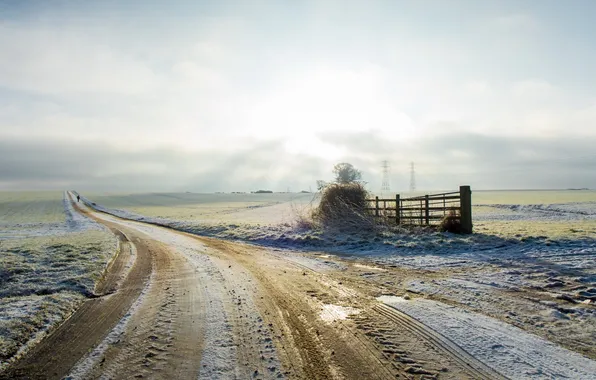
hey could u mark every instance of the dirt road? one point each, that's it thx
(174, 305)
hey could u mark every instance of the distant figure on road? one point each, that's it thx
(78, 198)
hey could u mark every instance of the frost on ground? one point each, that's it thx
(530, 264)
(274, 220)
(557, 212)
(50, 259)
(507, 349)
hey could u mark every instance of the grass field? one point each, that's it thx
(563, 214)
(24, 209)
(210, 208)
(524, 197)
(50, 259)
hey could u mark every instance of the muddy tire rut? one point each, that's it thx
(162, 334)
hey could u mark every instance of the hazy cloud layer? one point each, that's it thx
(442, 162)
(232, 95)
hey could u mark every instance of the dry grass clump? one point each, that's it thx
(343, 205)
(304, 221)
(451, 223)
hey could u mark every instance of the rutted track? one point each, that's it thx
(474, 367)
(311, 347)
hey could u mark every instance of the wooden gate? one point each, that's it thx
(426, 209)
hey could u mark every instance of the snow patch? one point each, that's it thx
(505, 348)
(391, 299)
(332, 313)
(370, 267)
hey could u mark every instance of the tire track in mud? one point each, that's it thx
(238, 343)
(408, 367)
(299, 348)
(116, 269)
(308, 347)
(469, 363)
(164, 334)
(55, 355)
(351, 332)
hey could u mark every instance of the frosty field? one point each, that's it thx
(50, 259)
(505, 214)
(273, 208)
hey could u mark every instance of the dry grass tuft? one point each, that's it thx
(451, 223)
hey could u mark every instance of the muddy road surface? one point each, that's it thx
(174, 305)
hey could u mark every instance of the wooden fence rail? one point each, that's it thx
(427, 209)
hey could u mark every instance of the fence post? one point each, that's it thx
(465, 204)
(426, 209)
(397, 210)
(377, 206)
(444, 206)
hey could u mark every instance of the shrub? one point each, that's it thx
(303, 221)
(344, 205)
(451, 223)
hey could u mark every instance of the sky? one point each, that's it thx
(208, 96)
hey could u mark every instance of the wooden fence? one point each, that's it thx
(426, 209)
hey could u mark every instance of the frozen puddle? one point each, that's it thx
(369, 267)
(332, 313)
(505, 348)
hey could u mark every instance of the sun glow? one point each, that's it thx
(329, 101)
(310, 145)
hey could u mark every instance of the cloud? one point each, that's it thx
(442, 162)
(516, 22)
(56, 61)
(209, 97)
(484, 161)
(535, 91)
(47, 164)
